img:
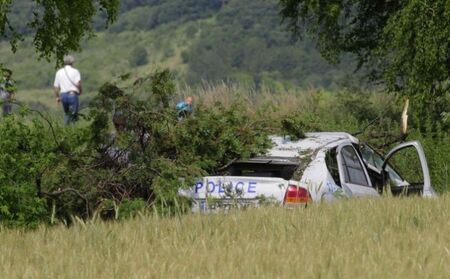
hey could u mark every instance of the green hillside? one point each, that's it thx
(200, 40)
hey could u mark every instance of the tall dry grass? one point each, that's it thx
(288, 100)
(379, 238)
(279, 103)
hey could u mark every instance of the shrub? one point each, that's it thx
(138, 57)
(24, 154)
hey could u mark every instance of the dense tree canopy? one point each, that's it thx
(407, 42)
(57, 26)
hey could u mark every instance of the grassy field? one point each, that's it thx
(380, 238)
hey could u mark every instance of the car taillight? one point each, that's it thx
(296, 195)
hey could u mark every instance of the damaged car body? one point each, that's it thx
(322, 166)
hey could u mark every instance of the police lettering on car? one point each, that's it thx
(220, 187)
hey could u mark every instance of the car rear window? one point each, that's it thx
(285, 171)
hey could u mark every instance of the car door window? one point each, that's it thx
(375, 160)
(406, 162)
(371, 157)
(332, 165)
(353, 170)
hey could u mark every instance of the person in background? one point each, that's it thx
(67, 88)
(7, 91)
(185, 108)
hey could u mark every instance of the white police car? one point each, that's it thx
(322, 166)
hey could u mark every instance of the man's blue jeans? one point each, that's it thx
(5, 97)
(7, 107)
(70, 106)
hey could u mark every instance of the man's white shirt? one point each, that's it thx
(66, 78)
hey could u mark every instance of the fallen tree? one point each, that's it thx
(113, 168)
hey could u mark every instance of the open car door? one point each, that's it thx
(399, 174)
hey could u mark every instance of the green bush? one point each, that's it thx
(25, 153)
(130, 208)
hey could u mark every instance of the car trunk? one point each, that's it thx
(245, 183)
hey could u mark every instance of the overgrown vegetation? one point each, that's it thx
(131, 153)
(90, 169)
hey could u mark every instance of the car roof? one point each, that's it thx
(284, 147)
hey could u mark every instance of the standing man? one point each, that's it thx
(7, 91)
(68, 88)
